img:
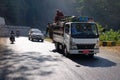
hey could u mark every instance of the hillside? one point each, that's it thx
(34, 13)
(37, 13)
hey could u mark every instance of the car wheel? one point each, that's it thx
(38, 40)
(42, 40)
(32, 39)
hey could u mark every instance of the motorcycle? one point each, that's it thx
(12, 39)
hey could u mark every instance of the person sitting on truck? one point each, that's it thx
(49, 30)
(58, 15)
(90, 19)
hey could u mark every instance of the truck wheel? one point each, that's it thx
(62, 49)
(57, 46)
(91, 55)
(66, 52)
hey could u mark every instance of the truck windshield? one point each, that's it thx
(84, 30)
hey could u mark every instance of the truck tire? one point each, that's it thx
(91, 55)
(62, 50)
(57, 46)
(66, 53)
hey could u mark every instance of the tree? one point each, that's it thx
(104, 11)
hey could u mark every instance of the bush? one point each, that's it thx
(110, 35)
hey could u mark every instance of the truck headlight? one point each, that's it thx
(97, 45)
(73, 45)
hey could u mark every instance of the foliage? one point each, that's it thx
(39, 12)
(100, 28)
(110, 35)
(104, 11)
(33, 13)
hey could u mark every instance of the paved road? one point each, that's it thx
(27, 60)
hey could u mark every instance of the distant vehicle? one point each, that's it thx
(17, 33)
(35, 34)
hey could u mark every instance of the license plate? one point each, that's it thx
(86, 51)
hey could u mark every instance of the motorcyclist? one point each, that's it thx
(12, 37)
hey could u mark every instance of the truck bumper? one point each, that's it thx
(84, 51)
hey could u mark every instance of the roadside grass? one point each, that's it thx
(117, 43)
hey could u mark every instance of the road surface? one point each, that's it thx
(27, 60)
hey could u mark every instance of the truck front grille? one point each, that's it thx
(85, 46)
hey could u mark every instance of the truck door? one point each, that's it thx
(67, 36)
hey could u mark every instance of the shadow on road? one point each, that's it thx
(92, 62)
(5, 56)
(20, 66)
(95, 61)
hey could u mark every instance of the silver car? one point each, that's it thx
(35, 34)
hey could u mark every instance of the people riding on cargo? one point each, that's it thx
(90, 19)
(58, 16)
(49, 30)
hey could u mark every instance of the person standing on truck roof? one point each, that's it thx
(58, 16)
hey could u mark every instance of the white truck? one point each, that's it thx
(76, 35)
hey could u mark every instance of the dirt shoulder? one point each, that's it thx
(115, 49)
